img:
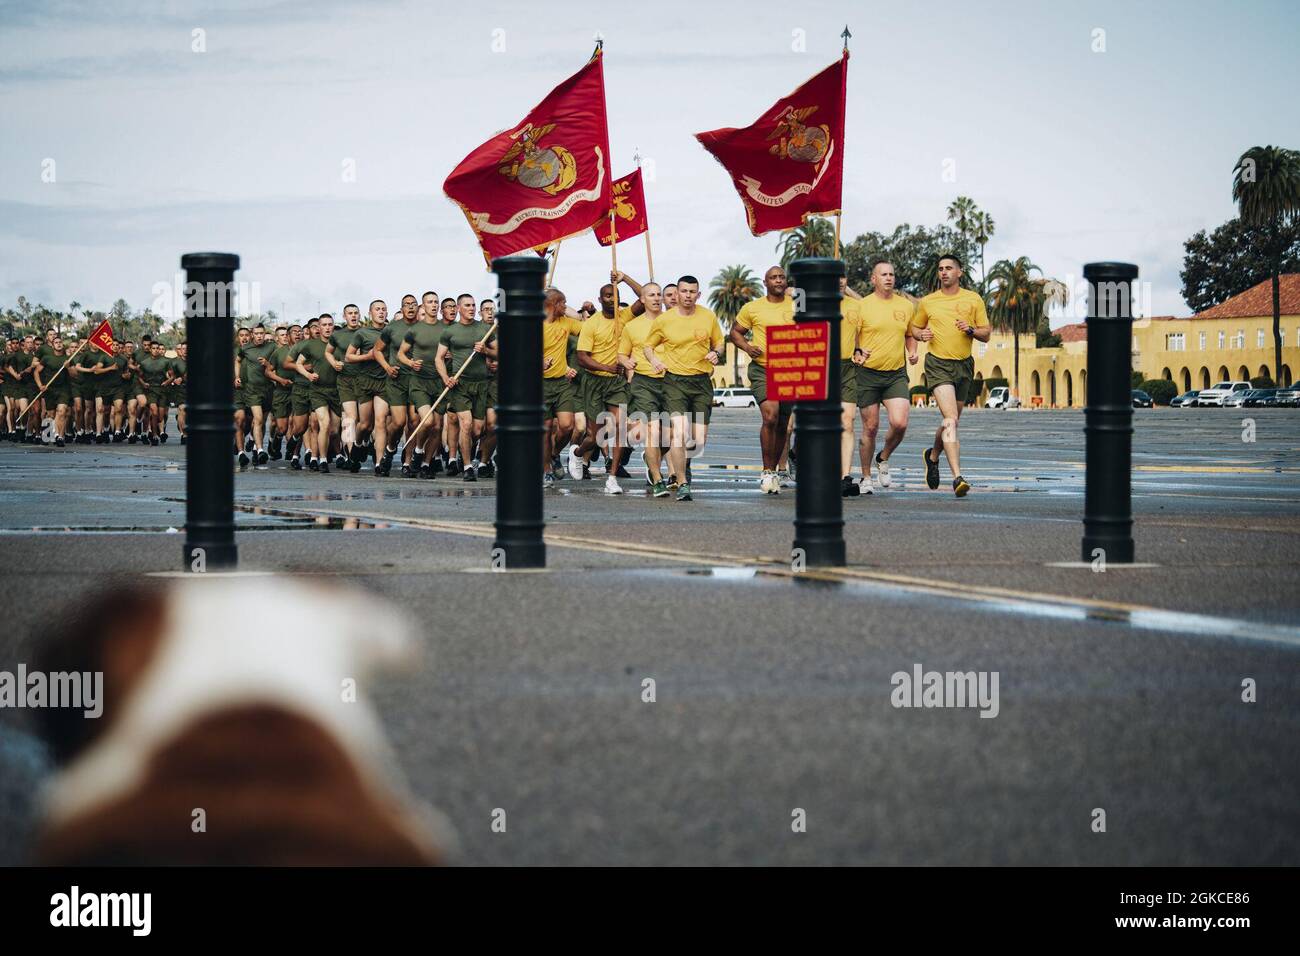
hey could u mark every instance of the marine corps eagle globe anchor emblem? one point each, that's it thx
(806, 144)
(551, 169)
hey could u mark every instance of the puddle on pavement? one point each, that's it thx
(280, 521)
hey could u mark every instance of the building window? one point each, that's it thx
(983, 349)
(1221, 337)
(1174, 342)
(1202, 341)
(1240, 342)
(1259, 339)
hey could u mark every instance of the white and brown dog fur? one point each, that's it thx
(247, 723)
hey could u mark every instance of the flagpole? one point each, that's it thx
(555, 259)
(837, 234)
(613, 251)
(649, 256)
(839, 212)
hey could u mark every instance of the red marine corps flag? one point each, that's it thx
(102, 338)
(630, 217)
(545, 179)
(789, 165)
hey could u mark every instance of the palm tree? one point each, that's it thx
(961, 211)
(732, 288)
(982, 228)
(1015, 297)
(816, 237)
(73, 307)
(1266, 188)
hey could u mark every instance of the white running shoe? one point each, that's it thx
(612, 487)
(548, 481)
(864, 485)
(783, 479)
(575, 464)
(882, 469)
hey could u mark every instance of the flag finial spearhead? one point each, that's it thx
(846, 35)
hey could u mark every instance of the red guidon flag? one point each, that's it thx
(546, 179)
(789, 165)
(630, 217)
(102, 338)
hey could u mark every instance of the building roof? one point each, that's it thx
(1258, 300)
(1075, 332)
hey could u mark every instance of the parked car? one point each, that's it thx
(1001, 397)
(734, 398)
(1257, 398)
(1216, 395)
(1237, 399)
(1289, 396)
(1141, 399)
(1185, 400)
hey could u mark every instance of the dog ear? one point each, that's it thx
(115, 632)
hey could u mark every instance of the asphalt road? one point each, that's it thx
(1119, 690)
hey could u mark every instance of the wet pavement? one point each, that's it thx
(1120, 689)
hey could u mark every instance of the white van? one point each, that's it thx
(1001, 397)
(734, 398)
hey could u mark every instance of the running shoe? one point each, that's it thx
(487, 470)
(931, 470)
(961, 486)
(622, 472)
(612, 487)
(548, 481)
(849, 488)
(684, 493)
(882, 469)
(314, 464)
(470, 473)
(784, 479)
(577, 467)
(426, 471)
(262, 458)
(243, 460)
(324, 467)
(453, 467)
(163, 437)
(659, 490)
(295, 463)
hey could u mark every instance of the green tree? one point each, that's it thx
(1266, 188)
(816, 237)
(982, 230)
(1014, 302)
(1232, 259)
(731, 288)
(914, 252)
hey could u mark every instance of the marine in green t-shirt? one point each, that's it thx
(460, 339)
(363, 341)
(311, 352)
(424, 339)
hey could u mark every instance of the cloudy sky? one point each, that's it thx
(129, 138)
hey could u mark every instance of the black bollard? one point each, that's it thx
(519, 522)
(818, 508)
(1108, 417)
(210, 400)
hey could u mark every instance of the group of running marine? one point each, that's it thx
(420, 391)
(88, 396)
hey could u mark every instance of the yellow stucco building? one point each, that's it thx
(1231, 341)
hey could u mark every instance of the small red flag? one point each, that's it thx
(547, 178)
(789, 164)
(102, 338)
(630, 216)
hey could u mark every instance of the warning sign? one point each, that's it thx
(797, 362)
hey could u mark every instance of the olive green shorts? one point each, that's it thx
(176, 395)
(260, 396)
(492, 398)
(301, 395)
(848, 382)
(757, 376)
(955, 372)
(558, 395)
(85, 388)
(281, 402)
(398, 391)
(469, 397)
(156, 396)
(323, 396)
(361, 388)
(646, 396)
(60, 393)
(239, 398)
(423, 390)
(689, 395)
(599, 392)
(874, 386)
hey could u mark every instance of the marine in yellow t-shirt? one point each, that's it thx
(687, 340)
(940, 312)
(884, 329)
(850, 324)
(555, 344)
(600, 336)
(632, 344)
(759, 315)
